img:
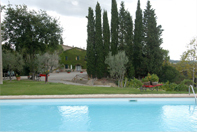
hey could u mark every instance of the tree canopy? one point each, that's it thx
(31, 32)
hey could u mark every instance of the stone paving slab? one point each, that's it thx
(99, 96)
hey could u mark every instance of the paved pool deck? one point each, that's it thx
(98, 96)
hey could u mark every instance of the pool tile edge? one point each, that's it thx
(99, 96)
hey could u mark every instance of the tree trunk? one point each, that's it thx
(46, 80)
(10, 73)
(125, 82)
(33, 76)
(118, 82)
(10, 76)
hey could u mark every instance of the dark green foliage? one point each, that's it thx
(125, 37)
(130, 70)
(122, 27)
(106, 38)
(168, 73)
(61, 41)
(106, 34)
(129, 44)
(99, 44)
(30, 31)
(6, 47)
(114, 28)
(72, 55)
(91, 60)
(129, 36)
(152, 40)
(166, 57)
(138, 54)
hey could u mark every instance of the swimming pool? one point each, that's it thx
(130, 114)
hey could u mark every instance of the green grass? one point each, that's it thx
(27, 87)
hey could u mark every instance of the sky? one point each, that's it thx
(178, 19)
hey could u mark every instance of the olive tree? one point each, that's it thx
(47, 63)
(117, 66)
(12, 62)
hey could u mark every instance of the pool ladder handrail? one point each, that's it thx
(193, 92)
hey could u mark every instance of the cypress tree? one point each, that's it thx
(106, 34)
(122, 27)
(114, 28)
(99, 44)
(129, 44)
(138, 59)
(91, 43)
(106, 38)
(129, 35)
(152, 40)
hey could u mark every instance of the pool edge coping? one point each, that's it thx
(98, 96)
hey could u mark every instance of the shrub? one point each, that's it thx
(149, 76)
(169, 86)
(145, 79)
(184, 85)
(181, 87)
(68, 70)
(135, 83)
(187, 82)
(170, 74)
(154, 78)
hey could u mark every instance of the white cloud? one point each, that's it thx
(75, 3)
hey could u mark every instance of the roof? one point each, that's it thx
(66, 47)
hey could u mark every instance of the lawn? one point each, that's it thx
(28, 87)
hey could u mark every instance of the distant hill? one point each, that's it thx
(174, 61)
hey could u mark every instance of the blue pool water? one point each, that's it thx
(99, 115)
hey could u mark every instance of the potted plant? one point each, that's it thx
(68, 71)
(81, 71)
(149, 76)
(154, 79)
(146, 81)
(18, 77)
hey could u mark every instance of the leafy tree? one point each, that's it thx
(61, 41)
(114, 28)
(166, 57)
(91, 60)
(106, 37)
(188, 64)
(30, 31)
(12, 62)
(169, 73)
(99, 44)
(47, 63)
(138, 54)
(152, 40)
(117, 65)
